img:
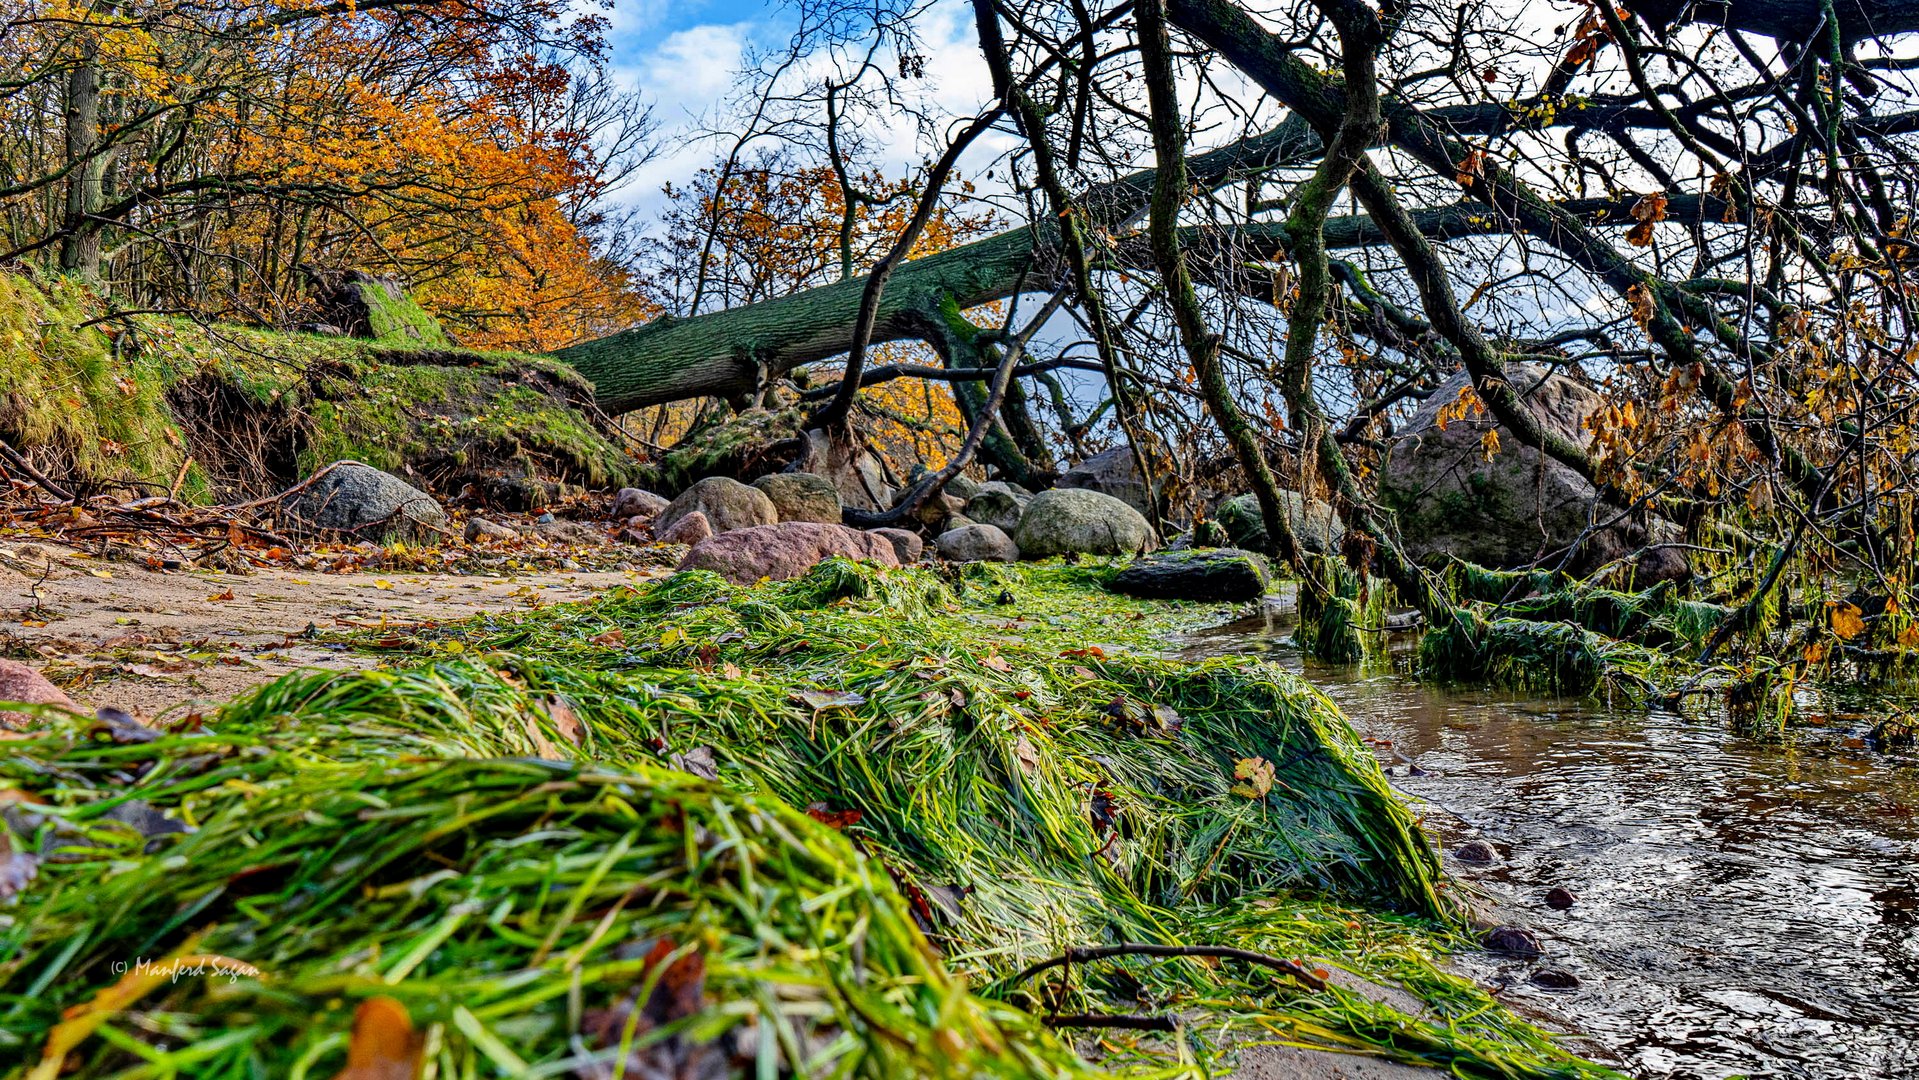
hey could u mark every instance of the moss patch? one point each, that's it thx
(125, 407)
(91, 411)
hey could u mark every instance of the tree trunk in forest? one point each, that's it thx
(80, 244)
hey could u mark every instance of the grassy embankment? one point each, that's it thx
(152, 403)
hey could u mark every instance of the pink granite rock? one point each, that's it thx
(690, 529)
(784, 551)
(18, 682)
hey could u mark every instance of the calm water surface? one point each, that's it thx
(1745, 908)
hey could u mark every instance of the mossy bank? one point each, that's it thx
(837, 817)
(218, 412)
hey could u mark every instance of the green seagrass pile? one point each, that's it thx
(692, 829)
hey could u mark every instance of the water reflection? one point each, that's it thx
(1744, 908)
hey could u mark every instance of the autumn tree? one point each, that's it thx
(219, 160)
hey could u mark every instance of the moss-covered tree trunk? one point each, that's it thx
(729, 353)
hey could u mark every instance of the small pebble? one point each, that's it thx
(1476, 851)
(1559, 899)
(1555, 979)
(1512, 940)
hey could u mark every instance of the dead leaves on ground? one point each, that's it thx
(674, 988)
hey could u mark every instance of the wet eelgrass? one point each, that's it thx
(1531, 630)
(995, 786)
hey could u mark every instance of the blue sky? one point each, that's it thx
(684, 57)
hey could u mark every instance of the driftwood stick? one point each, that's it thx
(15, 459)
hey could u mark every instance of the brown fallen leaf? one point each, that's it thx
(113, 725)
(996, 662)
(542, 745)
(611, 638)
(697, 761)
(565, 720)
(838, 819)
(222, 596)
(384, 1045)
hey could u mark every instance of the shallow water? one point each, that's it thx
(1744, 908)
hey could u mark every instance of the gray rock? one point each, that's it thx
(801, 496)
(1318, 527)
(907, 546)
(360, 500)
(785, 550)
(1511, 510)
(1221, 575)
(939, 509)
(998, 504)
(568, 532)
(1112, 472)
(977, 543)
(480, 528)
(1481, 852)
(727, 504)
(1076, 520)
(690, 529)
(638, 502)
(962, 487)
(858, 475)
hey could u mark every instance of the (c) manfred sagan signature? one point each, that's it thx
(173, 969)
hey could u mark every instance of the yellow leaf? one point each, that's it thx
(101, 573)
(1847, 620)
(1257, 773)
(383, 584)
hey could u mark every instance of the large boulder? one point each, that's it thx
(977, 543)
(785, 550)
(801, 496)
(360, 500)
(1513, 509)
(727, 504)
(1316, 525)
(1076, 520)
(856, 472)
(1220, 575)
(998, 504)
(1112, 472)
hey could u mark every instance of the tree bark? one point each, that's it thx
(80, 238)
